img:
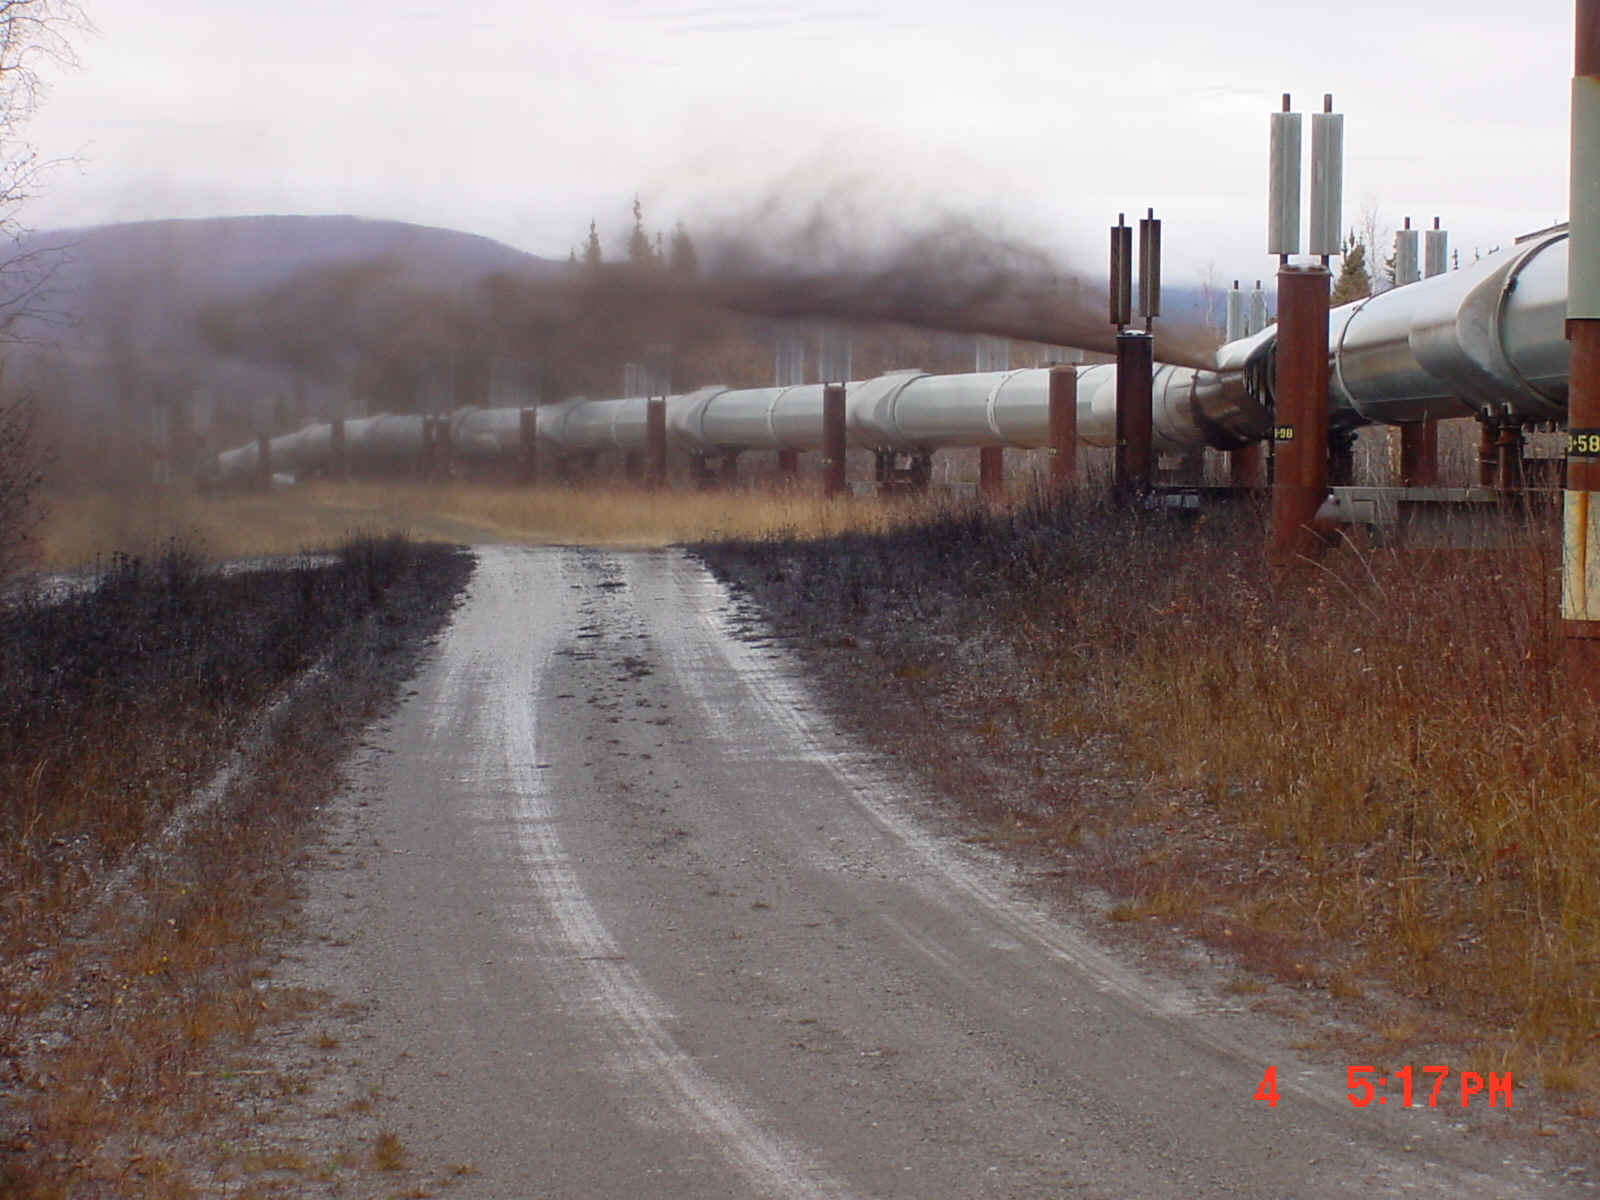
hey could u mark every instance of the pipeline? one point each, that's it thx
(1485, 340)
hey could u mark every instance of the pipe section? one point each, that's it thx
(1490, 335)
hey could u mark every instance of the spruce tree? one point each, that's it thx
(639, 240)
(1353, 283)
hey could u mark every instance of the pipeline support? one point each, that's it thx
(1300, 432)
(833, 440)
(1063, 418)
(1419, 453)
(655, 442)
(1135, 426)
(528, 445)
(992, 472)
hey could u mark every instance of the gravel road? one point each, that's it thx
(632, 917)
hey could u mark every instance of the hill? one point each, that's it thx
(142, 284)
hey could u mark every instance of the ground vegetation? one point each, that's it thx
(1363, 775)
(167, 733)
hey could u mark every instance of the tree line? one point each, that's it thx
(677, 256)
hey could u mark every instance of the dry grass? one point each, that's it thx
(128, 939)
(1367, 767)
(81, 526)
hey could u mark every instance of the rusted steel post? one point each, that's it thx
(833, 440)
(1419, 453)
(338, 460)
(729, 474)
(1508, 447)
(1488, 454)
(992, 472)
(1135, 450)
(1063, 425)
(528, 445)
(788, 464)
(264, 462)
(655, 443)
(1301, 410)
(1580, 575)
(1244, 466)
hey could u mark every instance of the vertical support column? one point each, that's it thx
(1508, 448)
(528, 446)
(729, 474)
(833, 440)
(992, 472)
(338, 456)
(655, 443)
(1580, 575)
(788, 465)
(1488, 452)
(1244, 466)
(1419, 453)
(1063, 426)
(264, 462)
(920, 472)
(1301, 403)
(1135, 451)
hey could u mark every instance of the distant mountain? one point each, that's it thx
(142, 283)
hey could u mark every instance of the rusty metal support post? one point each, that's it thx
(264, 462)
(1488, 453)
(1063, 426)
(1300, 431)
(528, 445)
(1508, 448)
(729, 475)
(1580, 575)
(1135, 431)
(655, 443)
(992, 472)
(833, 440)
(1419, 453)
(338, 458)
(788, 464)
(1244, 466)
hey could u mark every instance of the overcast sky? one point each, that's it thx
(520, 121)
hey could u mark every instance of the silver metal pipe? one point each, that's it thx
(1489, 336)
